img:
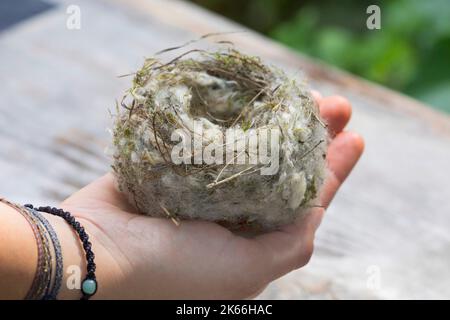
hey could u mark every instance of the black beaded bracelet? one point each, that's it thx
(89, 285)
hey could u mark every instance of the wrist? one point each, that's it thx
(74, 259)
(18, 254)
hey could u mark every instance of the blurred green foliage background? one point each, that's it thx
(411, 52)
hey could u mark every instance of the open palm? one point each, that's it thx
(153, 258)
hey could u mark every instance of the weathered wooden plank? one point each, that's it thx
(391, 216)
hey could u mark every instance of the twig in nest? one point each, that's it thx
(312, 149)
(174, 220)
(208, 35)
(234, 176)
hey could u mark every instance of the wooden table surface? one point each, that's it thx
(386, 235)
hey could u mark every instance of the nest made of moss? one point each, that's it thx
(221, 90)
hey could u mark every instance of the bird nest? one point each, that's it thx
(219, 136)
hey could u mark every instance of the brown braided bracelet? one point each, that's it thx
(46, 273)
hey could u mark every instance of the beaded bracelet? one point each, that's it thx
(89, 285)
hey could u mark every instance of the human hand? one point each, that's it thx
(144, 257)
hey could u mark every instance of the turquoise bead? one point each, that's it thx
(89, 286)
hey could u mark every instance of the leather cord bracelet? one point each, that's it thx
(52, 287)
(89, 285)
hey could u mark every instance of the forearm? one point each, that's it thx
(19, 256)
